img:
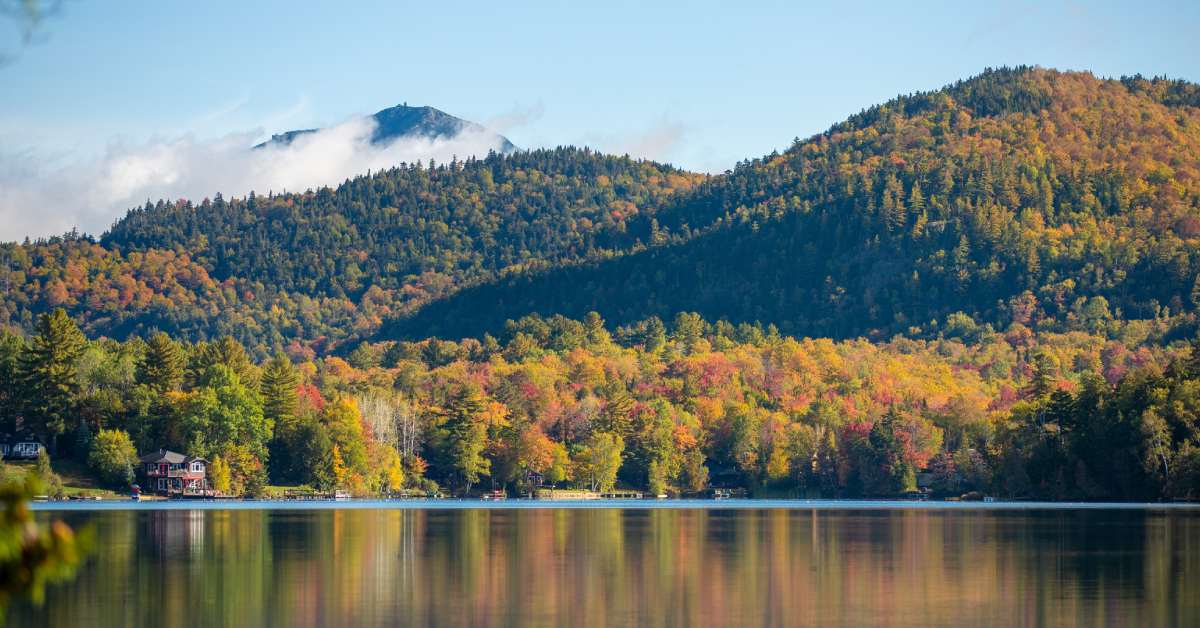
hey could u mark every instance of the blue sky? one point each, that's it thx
(701, 84)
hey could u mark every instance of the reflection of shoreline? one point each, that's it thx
(617, 504)
(632, 566)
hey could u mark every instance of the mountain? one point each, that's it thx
(403, 121)
(1049, 200)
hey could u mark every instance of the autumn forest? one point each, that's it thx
(992, 288)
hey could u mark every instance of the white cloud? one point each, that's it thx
(519, 116)
(662, 140)
(42, 196)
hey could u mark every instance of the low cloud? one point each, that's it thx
(517, 117)
(662, 140)
(42, 195)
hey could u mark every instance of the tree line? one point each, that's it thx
(674, 407)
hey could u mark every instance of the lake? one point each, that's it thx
(730, 563)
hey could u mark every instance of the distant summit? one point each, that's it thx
(411, 122)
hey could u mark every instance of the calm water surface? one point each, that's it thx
(765, 565)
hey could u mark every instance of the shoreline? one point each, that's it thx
(615, 504)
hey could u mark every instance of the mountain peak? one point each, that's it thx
(404, 121)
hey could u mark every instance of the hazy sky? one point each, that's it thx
(700, 85)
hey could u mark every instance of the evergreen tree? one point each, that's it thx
(467, 430)
(225, 352)
(593, 325)
(11, 348)
(49, 380)
(279, 391)
(161, 368)
(1045, 375)
(654, 335)
(891, 473)
(618, 405)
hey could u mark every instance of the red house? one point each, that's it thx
(169, 473)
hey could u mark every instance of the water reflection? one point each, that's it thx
(633, 567)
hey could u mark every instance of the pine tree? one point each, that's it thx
(161, 368)
(1045, 375)
(594, 326)
(614, 418)
(894, 473)
(11, 348)
(467, 430)
(226, 352)
(48, 374)
(279, 391)
(655, 334)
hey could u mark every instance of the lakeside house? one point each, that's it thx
(174, 474)
(22, 446)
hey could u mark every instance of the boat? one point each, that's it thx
(494, 496)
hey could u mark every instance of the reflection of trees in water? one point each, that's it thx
(587, 567)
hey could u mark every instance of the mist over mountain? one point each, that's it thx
(42, 195)
(405, 122)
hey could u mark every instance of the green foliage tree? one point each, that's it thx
(223, 413)
(695, 473)
(344, 424)
(598, 461)
(113, 457)
(219, 476)
(49, 479)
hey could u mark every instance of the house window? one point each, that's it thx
(197, 467)
(162, 484)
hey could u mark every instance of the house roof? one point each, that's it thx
(169, 457)
(164, 455)
(20, 437)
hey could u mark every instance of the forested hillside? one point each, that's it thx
(1020, 195)
(325, 265)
